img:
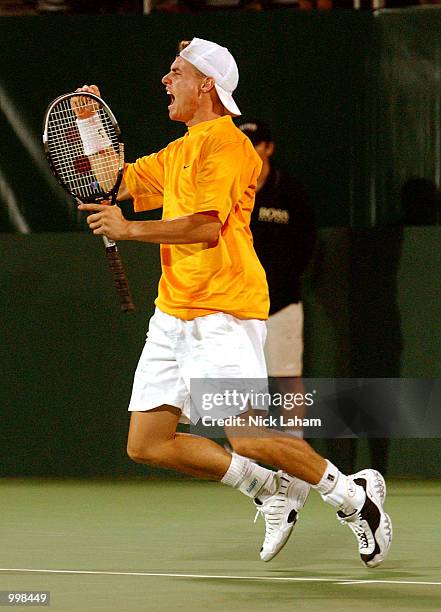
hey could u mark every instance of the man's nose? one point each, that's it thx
(165, 79)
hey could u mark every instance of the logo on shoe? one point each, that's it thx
(330, 477)
(252, 485)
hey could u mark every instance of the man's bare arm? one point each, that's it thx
(109, 221)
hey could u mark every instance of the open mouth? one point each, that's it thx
(171, 98)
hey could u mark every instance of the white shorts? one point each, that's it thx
(284, 343)
(214, 346)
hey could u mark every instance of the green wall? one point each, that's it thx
(353, 97)
(372, 303)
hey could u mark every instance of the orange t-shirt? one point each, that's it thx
(214, 167)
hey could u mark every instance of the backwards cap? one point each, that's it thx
(217, 62)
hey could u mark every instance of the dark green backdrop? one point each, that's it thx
(353, 97)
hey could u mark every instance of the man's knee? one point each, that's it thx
(143, 454)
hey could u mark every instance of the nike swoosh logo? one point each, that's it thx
(187, 166)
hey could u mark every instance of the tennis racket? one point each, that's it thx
(90, 172)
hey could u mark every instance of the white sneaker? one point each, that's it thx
(280, 512)
(371, 525)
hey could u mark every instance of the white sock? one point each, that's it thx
(339, 490)
(250, 478)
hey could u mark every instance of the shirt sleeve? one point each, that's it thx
(221, 177)
(145, 181)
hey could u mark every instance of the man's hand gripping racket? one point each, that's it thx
(82, 142)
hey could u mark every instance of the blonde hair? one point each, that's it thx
(183, 44)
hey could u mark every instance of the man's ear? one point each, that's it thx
(271, 146)
(207, 84)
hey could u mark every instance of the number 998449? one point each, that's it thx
(24, 598)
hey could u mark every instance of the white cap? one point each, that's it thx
(216, 62)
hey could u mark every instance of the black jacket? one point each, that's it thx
(284, 232)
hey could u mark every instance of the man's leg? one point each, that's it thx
(153, 440)
(284, 358)
(292, 388)
(272, 447)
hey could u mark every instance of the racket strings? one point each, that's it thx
(87, 176)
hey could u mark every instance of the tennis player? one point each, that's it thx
(211, 309)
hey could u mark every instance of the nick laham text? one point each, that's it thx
(260, 421)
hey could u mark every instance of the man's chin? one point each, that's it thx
(175, 116)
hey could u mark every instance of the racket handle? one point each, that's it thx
(119, 277)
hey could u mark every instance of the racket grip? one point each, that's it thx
(119, 278)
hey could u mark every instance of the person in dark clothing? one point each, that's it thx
(284, 235)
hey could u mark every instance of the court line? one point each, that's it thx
(422, 582)
(219, 576)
